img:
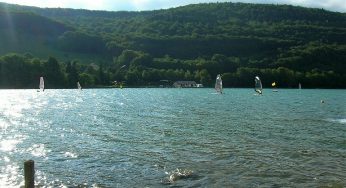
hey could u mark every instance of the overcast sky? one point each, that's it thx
(136, 5)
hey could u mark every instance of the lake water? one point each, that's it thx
(138, 137)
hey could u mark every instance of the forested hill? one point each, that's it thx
(282, 43)
(21, 31)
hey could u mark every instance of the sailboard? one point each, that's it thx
(218, 84)
(41, 85)
(258, 85)
(79, 86)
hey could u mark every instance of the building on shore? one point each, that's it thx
(183, 84)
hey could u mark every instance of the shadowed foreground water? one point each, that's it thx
(137, 137)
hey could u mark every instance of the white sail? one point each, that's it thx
(41, 86)
(300, 86)
(218, 84)
(258, 85)
(79, 86)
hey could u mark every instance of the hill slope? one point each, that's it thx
(280, 42)
(232, 29)
(24, 31)
(240, 30)
(21, 31)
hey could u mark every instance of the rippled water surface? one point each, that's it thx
(137, 137)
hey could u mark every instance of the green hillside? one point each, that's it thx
(280, 43)
(27, 32)
(21, 31)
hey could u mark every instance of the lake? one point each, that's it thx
(140, 137)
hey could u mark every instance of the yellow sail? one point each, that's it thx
(273, 84)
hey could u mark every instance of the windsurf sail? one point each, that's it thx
(218, 84)
(79, 86)
(41, 86)
(300, 86)
(258, 85)
(273, 84)
(274, 87)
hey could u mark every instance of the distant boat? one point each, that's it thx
(258, 85)
(41, 86)
(218, 84)
(300, 86)
(79, 86)
(274, 86)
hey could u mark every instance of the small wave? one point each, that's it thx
(70, 155)
(343, 121)
(38, 150)
(6, 159)
(177, 174)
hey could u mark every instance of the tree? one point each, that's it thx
(86, 80)
(72, 74)
(101, 75)
(53, 74)
(205, 78)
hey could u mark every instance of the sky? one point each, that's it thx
(138, 5)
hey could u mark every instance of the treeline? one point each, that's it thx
(23, 71)
(135, 68)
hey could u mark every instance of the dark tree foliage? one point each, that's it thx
(53, 71)
(29, 23)
(80, 43)
(72, 74)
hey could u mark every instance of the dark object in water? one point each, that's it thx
(176, 175)
(29, 174)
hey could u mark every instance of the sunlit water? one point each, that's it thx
(137, 137)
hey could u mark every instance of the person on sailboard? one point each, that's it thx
(258, 85)
(218, 84)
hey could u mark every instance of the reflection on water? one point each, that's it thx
(8, 145)
(337, 120)
(9, 175)
(173, 137)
